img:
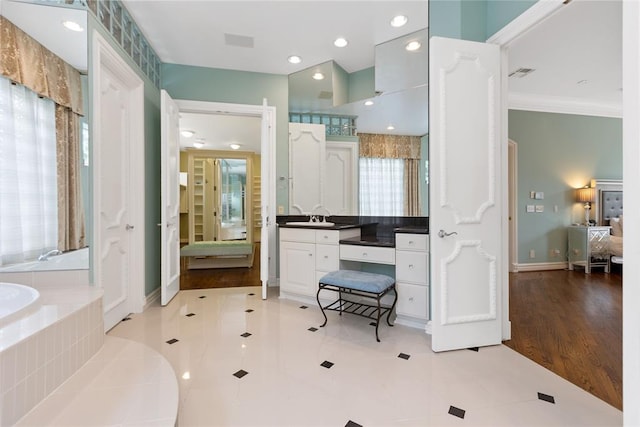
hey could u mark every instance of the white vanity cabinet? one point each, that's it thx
(305, 256)
(412, 279)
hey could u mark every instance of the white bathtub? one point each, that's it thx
(74, 260)
(15, 301)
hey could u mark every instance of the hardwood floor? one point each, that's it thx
(222, 277)
(571, 323)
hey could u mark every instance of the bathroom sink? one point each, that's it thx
(312, 224)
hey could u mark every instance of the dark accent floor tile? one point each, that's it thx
(251, 294)
(352, 424)
(326, 364)
(312, 329)
(202, 297)
(476, 349)
(248, 310)
(404, 356)
(172, 341)
(241, 373)
(304, 307)
(190, 314)
(245, 335)
(373, 324)
(126, 318)
(546, 398)
(456, 412)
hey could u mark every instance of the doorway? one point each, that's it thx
(238, 216)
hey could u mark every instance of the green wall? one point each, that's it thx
(238, 87)
(151, 143)
(556, 154)
(473, 19)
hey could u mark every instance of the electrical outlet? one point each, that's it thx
(280, 210)
(539, 208)
(531, 208)
(554, 253)
(532, 253)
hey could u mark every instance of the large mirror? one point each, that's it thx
(44, 126)
(388, 100)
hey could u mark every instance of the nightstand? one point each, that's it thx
(589, 247)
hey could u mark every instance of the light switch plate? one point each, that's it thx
(539, 208)
(539, 195)
(531, 208)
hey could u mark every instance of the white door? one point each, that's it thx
(341, 174)
(466, 191)
(170, 199)
(118, 181)
(265, 169)
(306, 167)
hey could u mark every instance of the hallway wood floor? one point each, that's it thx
(571, 323)
(222, 277)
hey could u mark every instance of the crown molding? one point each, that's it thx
(563, 105)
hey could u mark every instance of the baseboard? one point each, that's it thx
(151, 299)
(542, 266)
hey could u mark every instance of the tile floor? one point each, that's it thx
(242, 361)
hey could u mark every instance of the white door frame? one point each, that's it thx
(504, 38)
(105, 56)
(512, 180)
(268, 176)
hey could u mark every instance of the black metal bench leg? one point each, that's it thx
(321, 308)
(395, 300)
(378, 321)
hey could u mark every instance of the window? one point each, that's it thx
(381, 187)
(28, 176)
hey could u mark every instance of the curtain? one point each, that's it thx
(412, 187)
(381, 187)
(28, 178)
(389, 146)
(71, 232)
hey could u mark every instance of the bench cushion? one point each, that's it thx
(217, 248)
(360, 280)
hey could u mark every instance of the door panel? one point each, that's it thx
(466, 187)
(170, 195)
(306, 167)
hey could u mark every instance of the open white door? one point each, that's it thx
(170, 199)
(466, 192)
(264, 188)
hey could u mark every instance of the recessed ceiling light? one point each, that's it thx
(318, 75)
(234, 146)
(399, 21)
(413, 46)
(294, 59)
(187, 133)
(390, 127)
(198, 144)
(368, 103)
(73, 26)
(340, 42)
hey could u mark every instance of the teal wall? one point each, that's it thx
(151, 163)
(473, 19)
(238, 87)
(556, 154)
(362, 84)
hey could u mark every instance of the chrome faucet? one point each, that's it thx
(45, 257)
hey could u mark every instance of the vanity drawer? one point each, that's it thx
(368, 254)
(413, 300)
(327, 257)
(412, 242)
(298, 235)
(327, 237)
(412, 266)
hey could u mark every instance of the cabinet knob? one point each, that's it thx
(411, 242)
(411, 299)
(326, 257)
(410, 265)
(310, 254)
(364, 254)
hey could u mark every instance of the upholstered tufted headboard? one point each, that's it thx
(611, 205)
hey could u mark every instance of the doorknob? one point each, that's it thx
(443, 234)
(129, 227)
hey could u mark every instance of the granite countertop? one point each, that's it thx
(321, 227)
(412, 230)
(384, 242)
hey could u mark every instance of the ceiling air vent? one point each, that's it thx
(325, 95)
(521, 72)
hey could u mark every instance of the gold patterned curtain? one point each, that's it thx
(389, 146)
(398, 147)
(27, 62)
(71, 231)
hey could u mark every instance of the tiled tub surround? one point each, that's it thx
(41, 350)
